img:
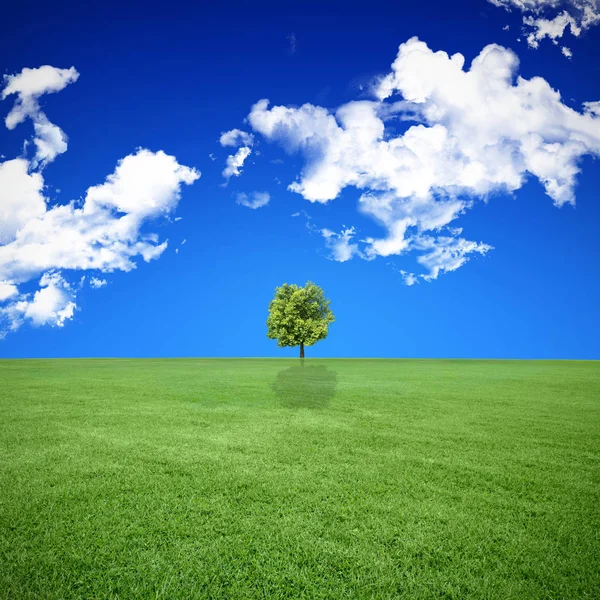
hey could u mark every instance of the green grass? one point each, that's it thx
(257, 479)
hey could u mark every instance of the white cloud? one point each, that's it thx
(340, 244)
(105, 233)
(236, 137)
(552, 18)
(445, 254)
(592, 108)
(566, 52)
(253, 200)
(478, 131)
(29, 85)
(52, 304)
(32, 83)
(409, 278)
(21, 198)
(550, 28)
(97, 283)
(144, 184)
(7, 290)
(235, 162)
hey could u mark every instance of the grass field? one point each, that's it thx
(259, 479)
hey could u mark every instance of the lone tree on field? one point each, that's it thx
(299, 316)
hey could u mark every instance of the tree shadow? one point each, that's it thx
(305, 386)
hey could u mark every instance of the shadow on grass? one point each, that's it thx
(305, 386)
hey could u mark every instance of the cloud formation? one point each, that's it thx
(52, 304)
(28, 85)
(235, 162)
(104, 232)
(475, 131)
(236, 137)
(253, 200)
(553, 18)
(22, 197)
(97, 283)
(340, 244)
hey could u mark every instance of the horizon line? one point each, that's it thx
(447, 358)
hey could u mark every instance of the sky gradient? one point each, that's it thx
(495, 159)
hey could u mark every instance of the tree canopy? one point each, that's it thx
(299, 316)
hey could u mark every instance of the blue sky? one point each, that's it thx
(496, 157)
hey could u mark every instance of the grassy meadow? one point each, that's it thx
(227, 478)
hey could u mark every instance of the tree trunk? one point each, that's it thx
(301, 349)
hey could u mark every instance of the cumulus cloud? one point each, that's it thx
(549, 28)
(28, 86)
(21, 197)
(553, 18)
(409, 278)
(340, 244)
(235, 162)
(52, 304)
(592, 108)
(97, 283)
(476, 131)
(105, 231)
(144, 184)
(7, 290)
(253, 200)
(236, 137)
(32, 83)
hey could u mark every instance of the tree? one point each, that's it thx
(299, 316)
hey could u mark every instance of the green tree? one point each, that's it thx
(299, 316)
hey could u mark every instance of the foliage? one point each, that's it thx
(299, 316)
